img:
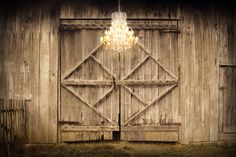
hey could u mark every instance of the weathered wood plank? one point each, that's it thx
(53, 83)
(75, 128)
(118, 82)
(33, 105)
(151, 136)
(43, 87)
(151, 128)
(136, 24)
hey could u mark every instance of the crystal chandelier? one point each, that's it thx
(119, 36)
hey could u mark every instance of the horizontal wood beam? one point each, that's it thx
(227, 65)
(12, 110)
(117, 82)
(87, 82)
(70, 122)
(173, 128)
(148, 24)
(147, 82)
(165, 136)
(76, 128)
(129, 18)
(227, 136)
(228, 129)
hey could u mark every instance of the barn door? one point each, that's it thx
(89, 106)
(227, 99)
(130, 95)
(149, 99)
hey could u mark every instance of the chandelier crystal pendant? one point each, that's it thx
(119, 36)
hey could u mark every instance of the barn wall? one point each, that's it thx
(205, 43)
(29, 59)
(28, 64)
(199, 79)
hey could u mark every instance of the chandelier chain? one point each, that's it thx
(119, 5)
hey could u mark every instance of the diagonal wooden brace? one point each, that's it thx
(104, 96)
(136, 96)
(89, 105)
(155, 60)
(150, 104)
(103, 66)
(136, 67)
(82, 61)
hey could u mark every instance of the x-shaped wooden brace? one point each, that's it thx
(148, 105)
(93, 107)
(122, 82)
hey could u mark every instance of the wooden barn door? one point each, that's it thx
(149, 99)
(89, 106)
(227, 99)
(129, 95)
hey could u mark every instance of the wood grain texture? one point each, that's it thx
(12, 126)
(29, 60)
(30, 47)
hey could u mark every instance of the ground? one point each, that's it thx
(128, 149)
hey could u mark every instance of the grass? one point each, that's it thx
(128, 149)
